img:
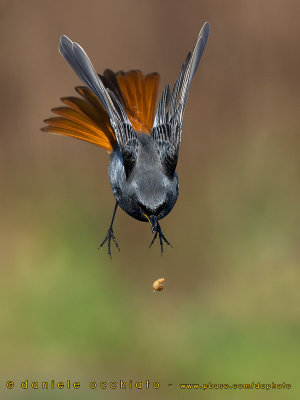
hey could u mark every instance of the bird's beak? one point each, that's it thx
(153, 221)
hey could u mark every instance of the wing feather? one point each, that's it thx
(167, 127)
(111, 108)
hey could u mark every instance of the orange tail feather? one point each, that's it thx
(85, 118)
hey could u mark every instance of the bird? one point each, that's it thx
(115, 111)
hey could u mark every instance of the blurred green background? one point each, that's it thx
(230, 309)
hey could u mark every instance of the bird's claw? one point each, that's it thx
(157, 231)
(110, 235)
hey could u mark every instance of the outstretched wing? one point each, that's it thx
(167, 127)
(124, 132)
(86, 118)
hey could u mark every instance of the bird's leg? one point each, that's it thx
(157, 231)
(110, 233)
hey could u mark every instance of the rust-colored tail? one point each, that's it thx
(85, 118)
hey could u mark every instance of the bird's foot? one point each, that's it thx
(110, 236)
(157, 231)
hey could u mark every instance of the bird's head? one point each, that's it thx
(155, 198)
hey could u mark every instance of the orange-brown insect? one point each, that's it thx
(158, 285)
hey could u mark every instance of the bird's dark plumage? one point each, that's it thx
(116, 112)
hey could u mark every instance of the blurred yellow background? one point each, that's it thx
(229, 312)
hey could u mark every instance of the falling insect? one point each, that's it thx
(116, 112)
(158, 285)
